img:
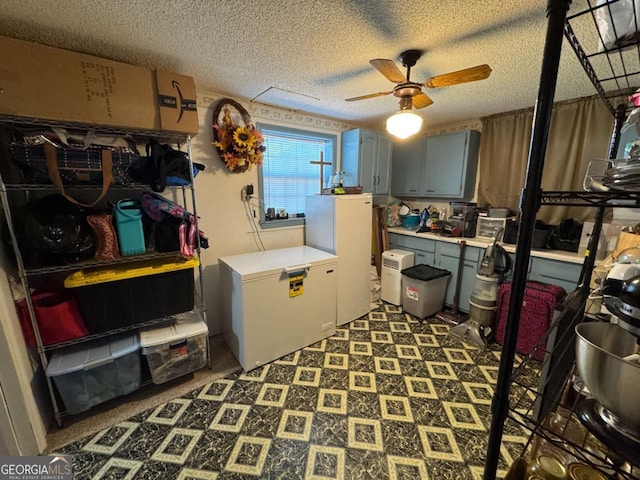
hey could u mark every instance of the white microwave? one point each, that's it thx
(488, 226)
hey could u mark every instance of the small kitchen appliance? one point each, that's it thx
(483, 301)
(393, 262)
(608, 361)
(464, 215)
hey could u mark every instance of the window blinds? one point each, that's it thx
(288, 174)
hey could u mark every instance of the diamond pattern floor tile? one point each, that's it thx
(387, 396)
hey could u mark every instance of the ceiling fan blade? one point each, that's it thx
(472, 74)
(388, 68)
(364, 97)
(421, 100)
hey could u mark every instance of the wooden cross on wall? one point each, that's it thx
(322, 163)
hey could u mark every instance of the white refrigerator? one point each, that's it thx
(341, 224)
(277, 301)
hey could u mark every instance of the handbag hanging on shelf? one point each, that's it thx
(79, 156)
(62, 159)
(172, 227)
(164, 166)
(57, 314)
(106, 164)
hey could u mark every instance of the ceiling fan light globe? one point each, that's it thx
(404, 123)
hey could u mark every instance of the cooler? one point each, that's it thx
(423, 290)
(95, 373)
(123, 295)
(177, 349)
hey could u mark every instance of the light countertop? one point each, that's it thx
(559, 255)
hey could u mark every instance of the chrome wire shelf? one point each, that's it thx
(100, 263)
(591, 199)
(115, 331)
(172, 137)
(561, 428)
(612, 71)
(52, 188)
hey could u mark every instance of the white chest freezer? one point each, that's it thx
(277, 301)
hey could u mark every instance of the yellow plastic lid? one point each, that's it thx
(113, 273)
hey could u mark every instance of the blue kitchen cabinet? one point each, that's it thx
(442, 166)
(447, 256)
(564, 274)
(366, 160)
(408, 157)
(546, 270)
(450, 165)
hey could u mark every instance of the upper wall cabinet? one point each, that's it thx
(406, 177)
(441, 166)
(366, 158)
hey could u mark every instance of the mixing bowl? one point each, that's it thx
(410, 221)
(613, 381)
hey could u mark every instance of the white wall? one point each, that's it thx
(22, 385)
(223, 216)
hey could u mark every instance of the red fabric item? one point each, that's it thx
(58, 316)
(538, 305)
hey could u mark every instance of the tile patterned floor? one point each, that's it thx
(386, 397)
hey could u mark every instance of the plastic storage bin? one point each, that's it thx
(127, 215)
(94, 374)
(487, 227)
(175, 350)
(124, 295)
(423, 289)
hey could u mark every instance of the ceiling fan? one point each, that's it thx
(410, 93)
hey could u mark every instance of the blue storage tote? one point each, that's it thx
(127, 215)
(94, 373)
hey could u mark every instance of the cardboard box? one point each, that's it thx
(49, 83)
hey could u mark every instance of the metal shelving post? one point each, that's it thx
(529, 205)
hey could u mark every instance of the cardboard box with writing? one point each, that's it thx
(47, 83)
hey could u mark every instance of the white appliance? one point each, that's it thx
(393, 262)
(276, 302)
(341, 224)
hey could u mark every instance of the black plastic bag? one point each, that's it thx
(565, 236)
(53, 231)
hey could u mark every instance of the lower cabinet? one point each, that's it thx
(423, 248)
(422, 257)
(564, 274)
(447, 257)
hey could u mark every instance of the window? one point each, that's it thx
(291, 169)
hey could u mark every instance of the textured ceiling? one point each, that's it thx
(312, 54)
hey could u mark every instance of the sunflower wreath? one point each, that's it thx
(239, 146)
